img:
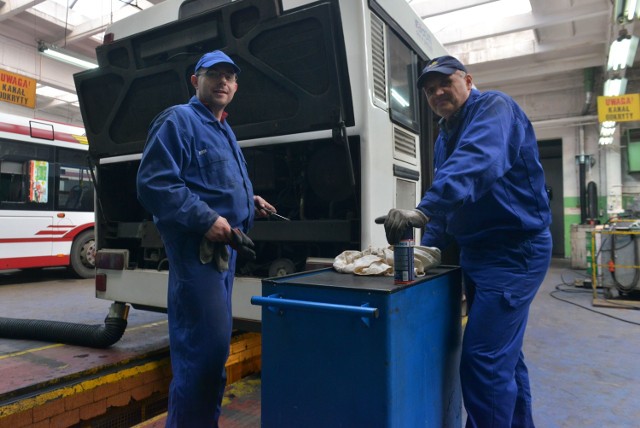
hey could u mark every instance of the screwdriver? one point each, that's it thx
(275, 214)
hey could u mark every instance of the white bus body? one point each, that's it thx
(333, 128)
(46, 196)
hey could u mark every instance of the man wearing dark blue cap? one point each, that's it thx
(193, 179)
(488, 194)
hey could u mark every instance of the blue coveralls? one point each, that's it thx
(488, 194)
(192, 171)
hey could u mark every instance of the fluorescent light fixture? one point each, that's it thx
(607, 132)
(605, 141)
(61, 55)
(626, 10)
(615, 87)
(630, 9)
(622, 52)
(399, 98)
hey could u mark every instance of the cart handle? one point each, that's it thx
(275, 303)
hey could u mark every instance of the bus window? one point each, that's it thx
(402, 78)
(12, 182)
(75, 189)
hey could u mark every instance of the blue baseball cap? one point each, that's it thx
(212, 58)
(443, 65)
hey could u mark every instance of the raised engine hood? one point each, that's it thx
(293, 79)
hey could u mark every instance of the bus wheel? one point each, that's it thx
(281, 267)
(83, 255)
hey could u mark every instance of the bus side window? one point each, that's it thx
(73, 181)
(12, 182)
(75, 189)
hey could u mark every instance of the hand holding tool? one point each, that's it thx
(276, 215)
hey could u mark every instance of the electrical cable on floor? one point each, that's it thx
(559, 289)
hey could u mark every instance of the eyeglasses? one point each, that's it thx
(218, 75)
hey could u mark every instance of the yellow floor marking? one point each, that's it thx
(29, 351)
(38, 400)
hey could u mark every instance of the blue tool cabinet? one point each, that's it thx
(349, 351)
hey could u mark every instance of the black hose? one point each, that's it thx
(592, 201)
(92, 336)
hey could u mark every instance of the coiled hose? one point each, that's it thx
(92, 336)
(625, 288)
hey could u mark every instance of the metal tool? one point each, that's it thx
(276, 215)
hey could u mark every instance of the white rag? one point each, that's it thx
(379, 261)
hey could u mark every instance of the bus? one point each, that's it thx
(46, 196)
(332, 126)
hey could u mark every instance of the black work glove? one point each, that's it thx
(242, 244)
(398, 221)
(214, 252)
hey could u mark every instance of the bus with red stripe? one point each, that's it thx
(46, 196)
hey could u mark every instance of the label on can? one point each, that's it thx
(403, 259)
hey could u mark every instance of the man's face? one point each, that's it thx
(215, 86)
(446, 94)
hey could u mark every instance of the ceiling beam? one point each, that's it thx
(429, 8)
(100, 24)
(528, 21)
(10, 8)
(501, 72)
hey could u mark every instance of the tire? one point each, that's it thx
(83, 255)
(281, 267)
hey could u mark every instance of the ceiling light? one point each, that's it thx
(615, 87)
(626, 10)
(622, 51)
(605, 141)
(607, 132)
(61, 55)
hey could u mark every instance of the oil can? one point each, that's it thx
(403, 259)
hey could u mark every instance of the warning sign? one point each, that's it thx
(17, 89)
(624, 108)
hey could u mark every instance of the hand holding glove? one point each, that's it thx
(397, 221)
(214, 252)
(242, 244)
(217, 251)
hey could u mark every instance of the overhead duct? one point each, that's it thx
(589, 84)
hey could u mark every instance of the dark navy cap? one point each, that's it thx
(216, 57)
(443, 65)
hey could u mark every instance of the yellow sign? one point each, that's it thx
(624, 108)
(17, 89)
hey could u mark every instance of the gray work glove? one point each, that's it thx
(398, 221)
(214, 252)
(242, 244)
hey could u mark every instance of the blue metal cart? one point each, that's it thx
(351, 351)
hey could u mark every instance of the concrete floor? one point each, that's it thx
(584, 361)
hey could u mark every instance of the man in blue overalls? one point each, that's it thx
(488, 193)
(193, 179)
